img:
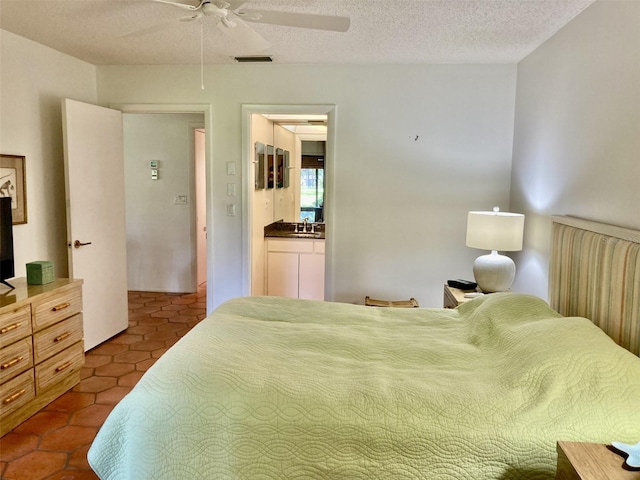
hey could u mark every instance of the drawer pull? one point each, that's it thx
(59, 338)
(62, 306)
(11, 327)
(64, 366)
(11, 363)
(14, 397)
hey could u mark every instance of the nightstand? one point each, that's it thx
(454, 296)
(591, 461)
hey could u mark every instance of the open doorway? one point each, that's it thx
(273, 126)
(165, 189)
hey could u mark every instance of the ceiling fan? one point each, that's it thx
(231, 18)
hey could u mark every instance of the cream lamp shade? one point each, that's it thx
(495, 231)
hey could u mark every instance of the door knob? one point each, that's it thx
(79, 244)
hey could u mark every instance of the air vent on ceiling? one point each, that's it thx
(254, 59)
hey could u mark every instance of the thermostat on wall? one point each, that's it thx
(153, 164)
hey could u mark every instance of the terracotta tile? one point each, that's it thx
(152, 322)
(78, 458)
(130, 379)
(71, 401)
(151, 294)
(108, 349)
(146, 365)
(14, 445)
(43, 422)
(172, 342)
(164, 314)
(91, 416)
(35, 466)
(113, 395)
(93, 361)
(126, 339)
(159, 303)
(146, 346)
(158, 353)
(192, 311)
(68, 438)
(141, 330)
(114, 369)
(70, 474)
(148, 310)
(95, 384)
(183, 319)
(184, 301)
(132, 356)
(85, 372)
(134, 317)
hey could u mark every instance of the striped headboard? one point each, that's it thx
(595, 273)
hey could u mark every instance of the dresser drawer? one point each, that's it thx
(16, 393)
(52, 340)
(14, 325)
(15, 359)
(57, 368)
(57, 307)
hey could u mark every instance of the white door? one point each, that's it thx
(201, 206)
(94, 174)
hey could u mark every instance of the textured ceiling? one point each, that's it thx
(392, 31)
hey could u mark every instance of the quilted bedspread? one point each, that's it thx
(270, 388)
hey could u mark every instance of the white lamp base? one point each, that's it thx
(494, 272)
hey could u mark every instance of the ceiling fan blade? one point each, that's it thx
(179, 5)
(245, 39)
(300, 20)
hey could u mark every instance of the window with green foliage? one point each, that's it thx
(311, 194)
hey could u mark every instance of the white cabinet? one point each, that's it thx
(295, 268)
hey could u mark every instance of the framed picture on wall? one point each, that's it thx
(13, 184)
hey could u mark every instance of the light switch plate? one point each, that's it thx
(231, 168)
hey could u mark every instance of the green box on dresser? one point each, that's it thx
(40, 273)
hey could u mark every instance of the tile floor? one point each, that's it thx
(53, 444)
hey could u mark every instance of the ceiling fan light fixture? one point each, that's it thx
(254, 59)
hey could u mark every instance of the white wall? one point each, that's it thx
(33, 80)
(416, 147)
(577, 131)
(160, 234)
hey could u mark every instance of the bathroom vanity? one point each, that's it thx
(295, 260)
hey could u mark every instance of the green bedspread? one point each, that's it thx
(271, 388)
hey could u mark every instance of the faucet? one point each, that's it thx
(306, 221)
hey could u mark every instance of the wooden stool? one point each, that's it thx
(372, 302)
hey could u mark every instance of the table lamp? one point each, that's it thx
(495, 231)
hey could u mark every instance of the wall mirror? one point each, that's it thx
(259, 163)
(287, 169)
(279, 167)
(270, 166)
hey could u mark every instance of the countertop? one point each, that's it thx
(281, 229)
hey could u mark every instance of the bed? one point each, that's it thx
(273, 388)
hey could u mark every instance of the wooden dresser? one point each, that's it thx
(41, 346)
(591, 461)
